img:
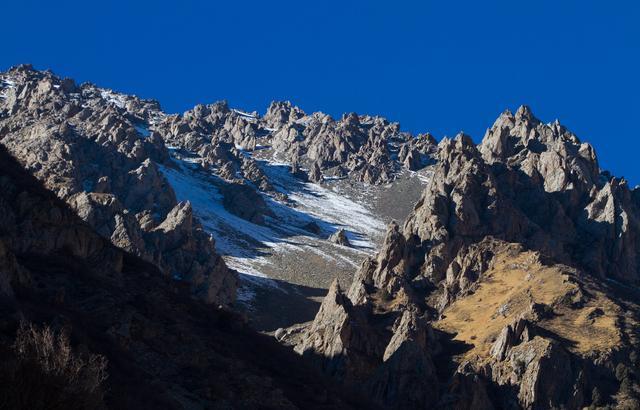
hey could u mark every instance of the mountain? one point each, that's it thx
(161, 347)
(89, 152)
(512, 282)
(160, 185)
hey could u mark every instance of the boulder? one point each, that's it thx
(340, 238)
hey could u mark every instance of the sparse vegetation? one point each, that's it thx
(41, 371)
(517, 285)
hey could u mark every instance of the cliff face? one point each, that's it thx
(519, 249)
(93, 149)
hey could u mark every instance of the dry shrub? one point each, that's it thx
(43, 372)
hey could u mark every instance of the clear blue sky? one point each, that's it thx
(439, 66)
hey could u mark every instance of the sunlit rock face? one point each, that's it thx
(512, 251)
(92, 147)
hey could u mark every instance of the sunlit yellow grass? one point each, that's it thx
(514, 282)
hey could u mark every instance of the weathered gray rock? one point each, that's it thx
(102, 159)
(340, 237)
(476, 194)
(337, 340)
(545, 374)
(511, 335)
(396, 368)
(528, 185)
(407, 378)
(417, 152)
(36, 224)
(246, 202)
(363, 148)
(315, 174)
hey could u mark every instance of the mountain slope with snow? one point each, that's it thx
(289, 252)
(150, 182)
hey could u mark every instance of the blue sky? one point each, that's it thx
(431, 65)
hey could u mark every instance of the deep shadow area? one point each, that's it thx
(164, 348)
(445, 361)
(283, 305)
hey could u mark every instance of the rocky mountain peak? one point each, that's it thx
(281, 113)
(530, 193)
(453, 153)
(524, 113)
(548, 151)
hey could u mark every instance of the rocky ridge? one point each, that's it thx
(107, 154)
(361, 148)
(92, 147)
(525, 229)
(365, 148)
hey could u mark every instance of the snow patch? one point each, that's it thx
(8, 82)
(114, 98)
(424, 175)
(143, 130)
(245, 114)
(231, 232)
(156, 117)
(251, 249)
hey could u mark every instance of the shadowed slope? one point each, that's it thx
(164, 348)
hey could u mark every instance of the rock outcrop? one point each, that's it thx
(244, 201)
(219, 138)
(396, 367)
(544, 371)
(339, 237)
(364, 148)
(94, 149)
(549, 197)
(526, 222)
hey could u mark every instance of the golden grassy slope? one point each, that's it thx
(507, 290)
